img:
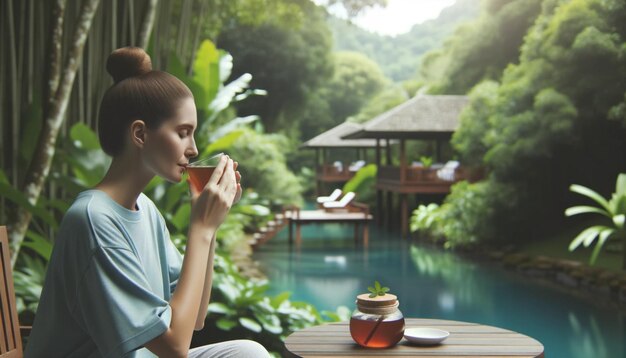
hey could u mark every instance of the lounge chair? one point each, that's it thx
(341, 204)
(332, 197)
(447, 172)
(354, 167)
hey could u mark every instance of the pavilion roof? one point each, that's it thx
(421, 117)
(332, 138)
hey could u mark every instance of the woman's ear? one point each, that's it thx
(138, 132)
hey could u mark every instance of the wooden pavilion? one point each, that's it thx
(329, 173)
(424, 117)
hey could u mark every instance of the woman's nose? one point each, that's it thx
(192, 151)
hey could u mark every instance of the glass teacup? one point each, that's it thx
(201, 170)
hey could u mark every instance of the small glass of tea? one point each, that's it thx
(201, 170)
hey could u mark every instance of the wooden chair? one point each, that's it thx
(10, 336)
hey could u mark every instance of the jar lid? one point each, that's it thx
(382, 305)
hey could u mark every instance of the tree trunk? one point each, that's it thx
(56, 39)
(146, 26)
(42, 158)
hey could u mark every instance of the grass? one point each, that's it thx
(557, 246)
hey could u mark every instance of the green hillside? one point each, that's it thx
(399, 56)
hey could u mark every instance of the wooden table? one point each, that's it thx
(302, 217)
(465, 340)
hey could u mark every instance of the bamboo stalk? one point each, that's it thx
(148, 22)
(40, 167)
(13, 90)
(124, 38)
(31, 50)
(131, 21)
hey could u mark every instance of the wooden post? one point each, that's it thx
(298, 234)
(402, 161)
(317, 172)
(404, 222)
(438, 150)
(366, 235)
(388, 152)
(389, 210)
(379, 193)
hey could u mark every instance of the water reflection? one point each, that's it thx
(330, 271)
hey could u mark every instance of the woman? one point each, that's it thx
(116, 286)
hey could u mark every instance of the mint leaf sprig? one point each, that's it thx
(377, 290)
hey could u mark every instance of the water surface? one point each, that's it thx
(329, 271)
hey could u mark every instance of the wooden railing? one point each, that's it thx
(417, 175)
(329, 172)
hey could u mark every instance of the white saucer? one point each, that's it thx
(425, 336)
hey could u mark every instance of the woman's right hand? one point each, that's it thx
(210, 206)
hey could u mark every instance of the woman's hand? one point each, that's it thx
(210, 206)
(238, 179)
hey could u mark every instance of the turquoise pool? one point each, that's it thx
(329, 271)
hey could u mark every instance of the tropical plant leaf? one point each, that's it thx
(250, 324)
(225, 324)
(620, 185)
(206, 69)
(218, 307)
(39, 244)
(231, 126)
(222, 143)
(599, 244)
(575, 210)
(579, 189)
(84, 137)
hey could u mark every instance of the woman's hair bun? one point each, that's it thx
(128, 62)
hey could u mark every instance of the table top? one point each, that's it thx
(465, 340)
(332, 216)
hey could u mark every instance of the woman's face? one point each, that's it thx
(167, 149)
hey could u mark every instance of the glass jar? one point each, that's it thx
(377, 322)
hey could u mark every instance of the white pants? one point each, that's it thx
(230, 349)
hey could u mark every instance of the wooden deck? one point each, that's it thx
(298, 218)
(415, 180)
(465, 340)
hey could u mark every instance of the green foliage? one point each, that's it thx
(424, 219)
(615, 212)
(481, 49)
(386, 99)
(28, 280)
(377, 290)
(400, 56)
(363, 184)
(289, 63)
(426, 161)
(355, 81)
(461, 220)
(243, 304)
(470, 140)
(262, 165)
(544, 126)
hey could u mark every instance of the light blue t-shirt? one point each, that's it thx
(109, 281)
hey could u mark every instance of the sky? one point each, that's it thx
(397, 17)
